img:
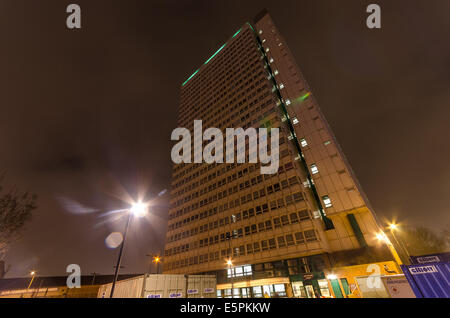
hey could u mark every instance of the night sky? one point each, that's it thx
(86, 115)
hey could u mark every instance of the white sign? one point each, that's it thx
(398, 287)
(423, 269)
(428, 259)
(192, 291)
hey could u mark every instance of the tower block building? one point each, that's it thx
(264, 233)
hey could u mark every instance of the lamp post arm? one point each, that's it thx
(119, 260)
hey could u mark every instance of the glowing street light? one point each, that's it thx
(33, 274)
(157, 260)
(230, 263)
(382, 237)
(394, 227)
(138, 209)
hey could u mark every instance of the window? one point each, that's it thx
(295, 121)
(281, 86)
(264, 245)
(298, 196)
(249, 249)
(290, 240)
(280, 290)
(288, 101)
(284, 220)
(310, 236)
(303, 142)
(247, 270)
(276, 222)
(327, 201)
(280, 203)
(281, 241)
(272, 244)
(314, 169)
(261, 227)
(299, 238)
(256, 247)
(289, 200)
(293, 217)
(303, 215)
(276, 72)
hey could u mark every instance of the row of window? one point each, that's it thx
(276, 222)
(296, 197)
(248, 249)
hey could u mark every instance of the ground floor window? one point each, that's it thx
(273, 291)
(324, 290)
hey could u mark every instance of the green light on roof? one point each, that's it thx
(237, 33)
(191, 77)
(215, 53)
(250, 26)
(302, 98)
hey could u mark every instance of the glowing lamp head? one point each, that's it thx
(229, 262)
(380, 236)
(331, 276)
(32, 273)
(393, 226)
(139, 209)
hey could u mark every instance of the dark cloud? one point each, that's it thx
(86, 114)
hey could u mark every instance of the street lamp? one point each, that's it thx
(32, 273)
(157, 260)
(230, 263)
(394, 227)
(138, 209)
(382, 237)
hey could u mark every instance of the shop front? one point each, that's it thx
(310, 285)
(262, 288)
(356, 280)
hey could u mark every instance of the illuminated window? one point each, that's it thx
(327, 201)
(314, 169)
(267, 50)
(303, 142)
(288, 101)
(271, 60)
(260, 31)
(295, 121)
(326, 143)
(281, 86)
(264, 40)
(276, 72)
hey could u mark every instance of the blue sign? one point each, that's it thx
(429, 281)
(431, 258)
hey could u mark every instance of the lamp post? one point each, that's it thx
(393, 227)
(382, 237)
(138, 209)
(155, 259)
(230, 263)
(32, 273)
